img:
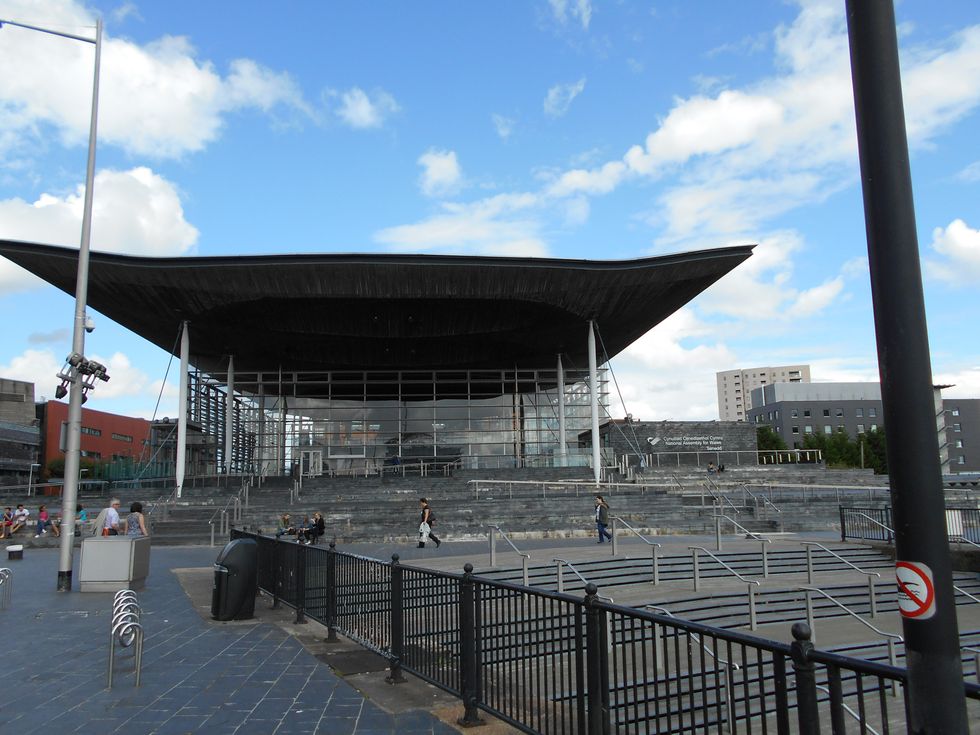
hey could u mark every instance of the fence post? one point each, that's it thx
(397, 624)
(843, 528)
(300, 584)
(493, 548)
(806, 683)
(697, 573)
(596, 664)
(467, 650)
(332, 593)
(276, 576)
(765, 561)
(656, 566)
(613, 539)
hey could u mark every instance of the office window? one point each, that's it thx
(872, 412)
(93, 455)
(122, 438)
(794, 413)
(806, 413)
(777, 414)
(860, 428)
(828, 429)
(839, 412)
(874, 427)
(841, 427)
(826, 412)
(91, 432)
(957, 427)
(955, 412)
(961, 460)
(859, 413)
(959, 443)
(796, 429)
(808, 429)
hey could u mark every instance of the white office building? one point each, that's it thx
(735, 387)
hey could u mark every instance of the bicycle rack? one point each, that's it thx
(125, 630)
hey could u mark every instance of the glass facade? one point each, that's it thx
(365, 421)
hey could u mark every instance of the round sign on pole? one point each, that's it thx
(916, 593)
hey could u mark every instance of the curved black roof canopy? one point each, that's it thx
(376, 312)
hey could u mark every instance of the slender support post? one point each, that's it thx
(276, 573)
(301, 553)
(808, 603)
(493, 548)
(806, 682)
(230, 416)
(697, 571)
(332, 593)
(809, 566)
(211, 523)
(181, 449)
(765, 561)
(718, 530)
(935, 695)
(753, 623)
(559, 577)
(656, 564)
(871, 596)
(524, 569)
(397, 624)
(469, 665)
(562, 443)
(613, 539)
(843, 528)
(596, 663)
(594, 405)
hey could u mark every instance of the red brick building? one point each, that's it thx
(105, 436)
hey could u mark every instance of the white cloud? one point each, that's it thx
(664, 376)
(959, 246)
(493, 226)
(441, 173)
(965, 382)
(136, 212)
(503, 125)
(971, 173)
(157, 99)
(560, 97)
(125, 11)
(360, 110)
(35, 366)
(578, 10)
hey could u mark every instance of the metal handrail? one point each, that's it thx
(765, 500)
(960, 538)
(493, 549)
(743, 529)
(560, 577)
(723, 564)
(958, 589)
(588, 485)
(849, 711)
(695, 636)
(832, 553)
(654, 546)
(845, 608)
(877, 523)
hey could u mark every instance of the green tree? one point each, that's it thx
(767, 439)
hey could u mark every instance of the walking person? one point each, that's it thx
(602, 518)
(426, 519)
(135, 521)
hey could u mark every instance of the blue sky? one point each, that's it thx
(566, 128)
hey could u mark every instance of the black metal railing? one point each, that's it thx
(549, 662)
(875, 524)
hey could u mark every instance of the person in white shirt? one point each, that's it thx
(110, 526)
(20, 518)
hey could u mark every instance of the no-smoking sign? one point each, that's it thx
(916, 593)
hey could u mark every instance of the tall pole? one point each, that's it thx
(230, 415)
(935, 695)
(594, 405)
(562, 442)
(69, 497)
(181, 449)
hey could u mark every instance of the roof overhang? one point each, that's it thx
(377, 312)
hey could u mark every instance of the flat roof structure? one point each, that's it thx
(357, 311)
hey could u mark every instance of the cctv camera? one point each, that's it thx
(89, 324)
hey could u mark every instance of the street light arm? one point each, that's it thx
(48, 30)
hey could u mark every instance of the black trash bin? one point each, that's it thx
(233, 596)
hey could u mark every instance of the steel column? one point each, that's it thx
(181, 449)
(936, 700)
(230, 416)
(594, 405)
(562, 445)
